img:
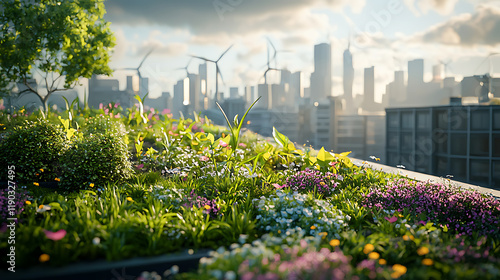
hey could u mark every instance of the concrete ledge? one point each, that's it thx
(425, 177)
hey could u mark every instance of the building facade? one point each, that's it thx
(458, 141)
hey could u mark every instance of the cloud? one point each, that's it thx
(468, 30)
(162, 49)
(231, 17)
(419, 7)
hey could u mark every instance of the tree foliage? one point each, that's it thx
(60, 40)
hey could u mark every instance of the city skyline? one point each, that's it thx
(394, 32)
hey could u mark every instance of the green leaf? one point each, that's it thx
(324, 155)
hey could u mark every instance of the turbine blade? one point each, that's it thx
(202, 58)
(224, 52)
(146, 56)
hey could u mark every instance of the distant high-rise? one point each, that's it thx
(415, 73)
(369, 88)
(202, 71)
(194, 93)
(348, 79)
(234, 92)
(181, 97)
(437, 72)
(321, 79)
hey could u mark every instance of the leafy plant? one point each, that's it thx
(34, 149)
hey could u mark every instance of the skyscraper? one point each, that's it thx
(348, 80)
(321, 79)
(369, 89)
(415, 73)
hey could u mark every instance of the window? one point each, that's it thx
(393, 159)
(440, 140)
(458, 144)
(423, 120)
(424, 144)
(496, 120)
(480, 145)
(480, 120)
(407, 142)
(441, 119)
(422, 163)
(496, 145)
(458, 119)
(479, 171)
(392, 141)
(458, 169)
(496, 174)
(407, 120)
(393, 120)
(441, 166)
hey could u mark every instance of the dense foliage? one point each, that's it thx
(143, 184)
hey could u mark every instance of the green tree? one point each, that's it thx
(60, 40)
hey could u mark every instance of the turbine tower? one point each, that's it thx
(142, 88)
(217, 70)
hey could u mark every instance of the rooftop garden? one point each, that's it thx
(110, 184)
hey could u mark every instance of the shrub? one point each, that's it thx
(95, 160)
(105, 125)
(34, 149)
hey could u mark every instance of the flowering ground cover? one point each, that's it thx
(136, 182)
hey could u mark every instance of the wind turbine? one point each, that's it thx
(269, 68)
(217, 70)
(445, 64)
(185, 67)
(138, 70)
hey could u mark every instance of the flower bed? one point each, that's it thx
(269, 211)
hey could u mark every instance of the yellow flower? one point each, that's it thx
(374, 255)
(41, 169)
(323, 234)
(130, 199)
(40, 207)
(57, 179)
(91, 185)
(401, 216)
(382, 262)
(313, 227)
(207, 207)
(334, 242)
(28, 202)
(422, 251)
(368, 248)
(401, 269)
(427, 262)
(44, 258)
(322, 183)
(36, 184)
(408, 237)
(279, 231)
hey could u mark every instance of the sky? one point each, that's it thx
(382, 33)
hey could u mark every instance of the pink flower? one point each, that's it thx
(101, 106)
(391, 220)
(332, 163)
(243, 145)
(165, 111)
(278, 186)
(139, 166)
(58, 235)
(222, 143)
(204, 158)
(117, 104)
